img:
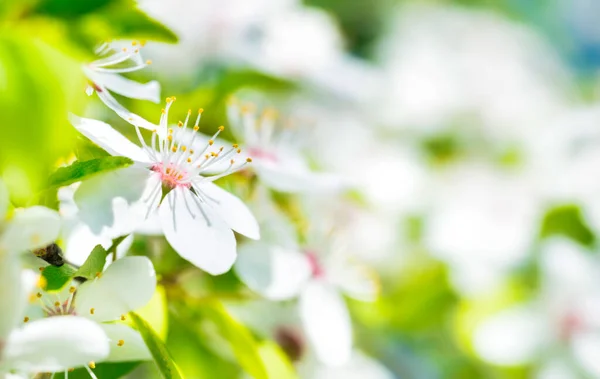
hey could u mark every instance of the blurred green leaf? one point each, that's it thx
(94, 263)
(276, 362)
(57, 277)
(102, 370)
(155, 312)
(37, 91)
(567, 220)
(68, 8)
(242, 343)
(157, 348)
(79, 171)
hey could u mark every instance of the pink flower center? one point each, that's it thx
(315, 265)
(570, 324)
(171, 175)
(258, 153)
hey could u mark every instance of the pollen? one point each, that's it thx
(72, 289)
(92, 311)
(149, 61)
(42, 282)
(133, 43)
(57, 304)
(239, 151)
(191, 151)
(123, 318)
(25, 319)
(174, 149)
(211, 142)
(221, 128)
(163, 111)
(39, 295)
(248, 159)
(183, 148)
(200, 110)
(92, 364)
(170, 137)
(196, 127)
(189, 112)
(120, 343)
(235, 145)
(180, 124)
(189, 160)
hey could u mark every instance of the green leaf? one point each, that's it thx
(68, 8)
(103, 370)
(157, 348)
(79, 171)
(568, 221)
(276, 362)
(244, 346)
(57, 277)
(94, 263)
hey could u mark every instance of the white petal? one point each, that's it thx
(126, 285)
(56, 344)
(126, 87)
(30, 229)
(327, 323)
(586, 347)
(235, 213)
(108, 138)
(274, 272)
(356, 280)
(12, 293)
(4, 200)
(106, 201)
(512, 337)
(360, 366)
(133, 348)
(286, 179)
(210, 247)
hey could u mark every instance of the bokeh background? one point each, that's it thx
(469, 131)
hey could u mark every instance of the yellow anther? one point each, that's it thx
(221, 149)
(235, 145)
(35, 239)
(174, 149)
(142, 42)
(170, 130)
(232, 161)
(123, 317)
(168, 99)
(149, 62)
(211, 142)
(168, 170)
(39, 295)
(180, 124)
(183, 148)
(189, 111)
(213, 154)
(248, 159)
(72, 289)
(221, 128)
(136, 51)
(92, 364)
(200, 110)
(206, 156)
(120, 343)
(173, 98)
(92, 311)
(133, 43)
(32, 298)
(179, 177)
(98, 275)
(42, 269)
(196, 127)
(124, 49)
(42, 282)
(170, 137)
(163, 111)
(239, 151)
(191, 151)
(25, 319)
(57, 303)
(189, 160)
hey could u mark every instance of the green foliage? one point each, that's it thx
(567, 221)
(102, 370)
(79, 171)
(157, 348)
(242, 343)
(57, 277)
(94, 263)
(276, 362)
(68, 8)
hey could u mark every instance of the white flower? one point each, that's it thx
(565, 313)
(44, 345)
(104, 75)
(279, 272)
(274, 151)
(197, 217)
(126, 285)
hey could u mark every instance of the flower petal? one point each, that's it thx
(356, 280)
(198, 235)
(126, 285)
(360, 366)
(108, 138)
(512, 337)
(125, 87)
(229, 207)
(327, 323)
(110, 203)
(133, 347)
(285, 179)
(274, 272)
(30, 229)
(55, 344)
(12, 293)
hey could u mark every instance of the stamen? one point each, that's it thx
(120, 343)
(25, 319)
(92, 311)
